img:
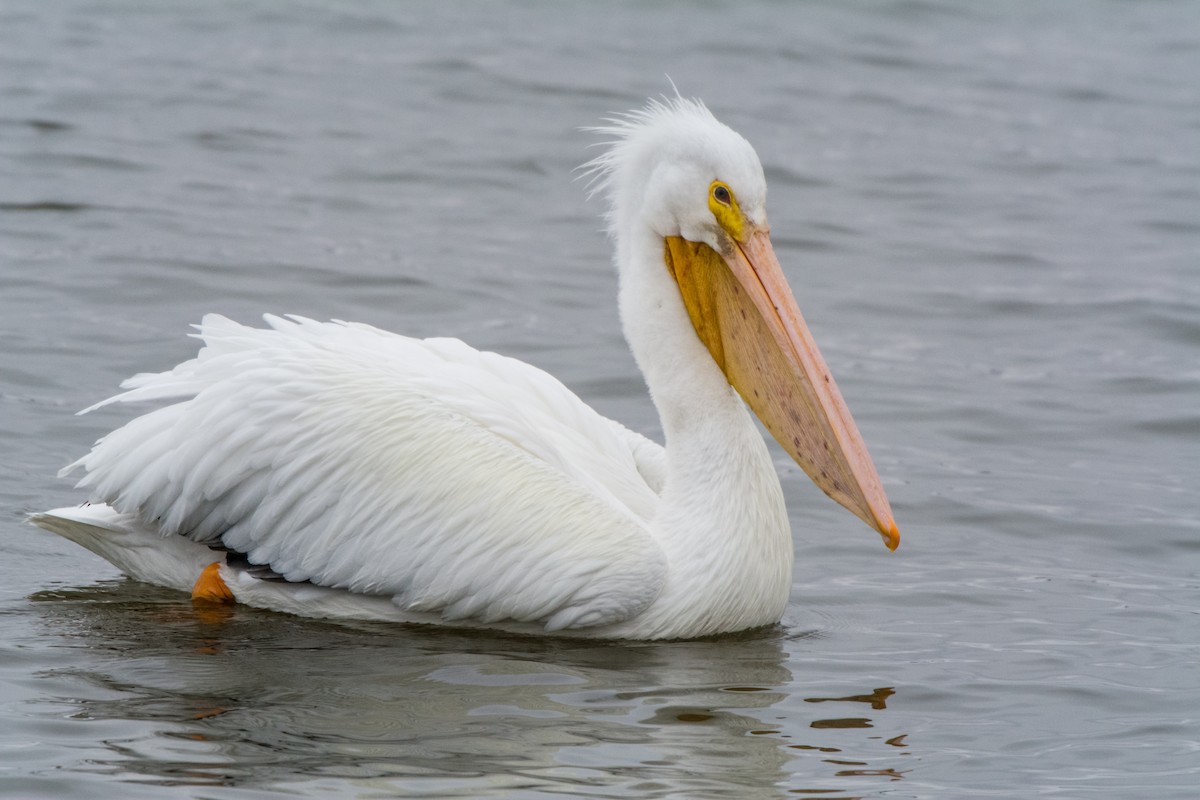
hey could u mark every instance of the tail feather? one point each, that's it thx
(131, 546)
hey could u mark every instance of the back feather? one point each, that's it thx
(452, 480)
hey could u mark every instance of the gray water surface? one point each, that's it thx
(991, 218)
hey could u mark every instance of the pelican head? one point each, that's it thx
(691, 190)
(673, 166)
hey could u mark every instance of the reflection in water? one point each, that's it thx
(877, 699)
(254, 699)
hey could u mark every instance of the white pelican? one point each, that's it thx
(336, 470)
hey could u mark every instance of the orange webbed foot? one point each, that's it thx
(209, 587)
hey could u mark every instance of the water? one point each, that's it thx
(992, 220)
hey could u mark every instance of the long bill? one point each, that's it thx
(743, 310)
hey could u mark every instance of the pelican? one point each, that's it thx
(336, 470)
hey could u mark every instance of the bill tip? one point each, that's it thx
(891, 536)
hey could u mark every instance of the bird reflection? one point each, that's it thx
(254, 699)
(877, 699)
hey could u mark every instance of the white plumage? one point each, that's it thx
(386, 477)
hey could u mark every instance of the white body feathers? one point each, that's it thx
(393, 478)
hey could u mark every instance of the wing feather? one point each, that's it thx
(449, 479)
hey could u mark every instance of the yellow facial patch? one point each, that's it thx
(724, 206)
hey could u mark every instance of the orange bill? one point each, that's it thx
(743, 310)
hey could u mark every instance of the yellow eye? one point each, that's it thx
(724, 208)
